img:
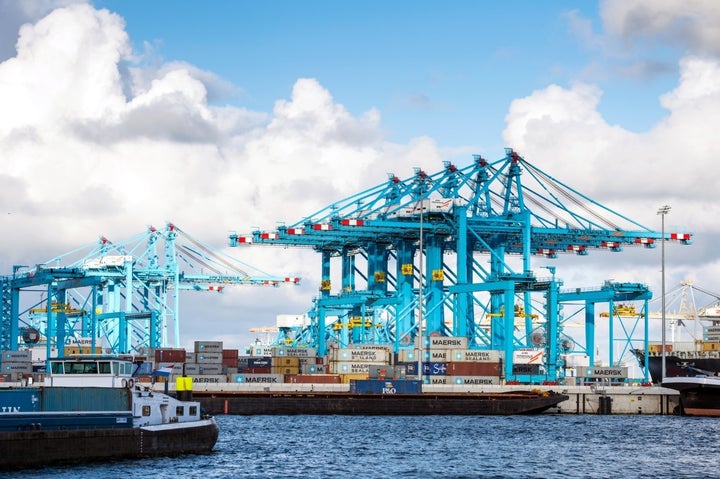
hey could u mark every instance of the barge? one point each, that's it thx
(90, 409)
(378, 398)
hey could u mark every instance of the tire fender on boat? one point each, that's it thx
(130, 383)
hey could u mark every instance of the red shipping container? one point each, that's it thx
(230, 354)
(170, 355)
(472, 369)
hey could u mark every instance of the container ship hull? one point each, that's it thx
(699, 396)
(675, 366)
(41, 447)
(294, 403)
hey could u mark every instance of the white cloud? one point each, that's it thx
(690, 24)
(94, 143)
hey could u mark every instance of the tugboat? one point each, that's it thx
(91, 409)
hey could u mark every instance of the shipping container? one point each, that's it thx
(313, 378)
(286, 362)
(10, 367)
(24, 355)
(434, 369)
(266, 370)
(365, 355)
(349, 368)
(208, 346)
(262, 351)
(209, 378)
(230, 354)
(19, 400)
(346, 378)
(462, 380)
(446, 342)
(528, 369)
(260, 362)
(205, 369)
(282, 351)
(265, 379)
(437, 355)
(313, 369)
(285, 370)
(170, 355)
(230, 363)
(209, 358)
(476, 355)
(528, 356)
(473, 369)
(378, 371)
(190, 357)
(384, 386)
(75, 350)
(85, 399)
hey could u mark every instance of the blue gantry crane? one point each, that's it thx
(451, 253)
(123, 295)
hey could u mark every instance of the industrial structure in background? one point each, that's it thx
(403, 264)
(451, 254)
(116, 297)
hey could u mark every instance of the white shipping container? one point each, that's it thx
(528, 356)
(349, 368)
(190, 357)
(476, 355)
(209, 379)
(475, 380)
(279, 351)
(365, 355)
(437, 355)
(446, 342)
(17, 356)
(265, 379)
(260, 351)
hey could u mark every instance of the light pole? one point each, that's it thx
(662, 211)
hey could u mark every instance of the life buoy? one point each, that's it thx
(131, 383)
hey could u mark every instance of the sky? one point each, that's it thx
(236, 115)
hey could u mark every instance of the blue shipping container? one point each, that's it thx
(19, 400)
(260, 362)
(381, 386)
(434, 369)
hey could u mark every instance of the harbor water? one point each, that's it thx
(544, 446)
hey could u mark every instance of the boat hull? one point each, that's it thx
(39, 448)
(676, 366)
(699, 396)
(294, 403)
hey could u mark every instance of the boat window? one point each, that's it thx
(180, 411)
(104, 367)
(56, 367)
(193, 410)
(146, 410)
